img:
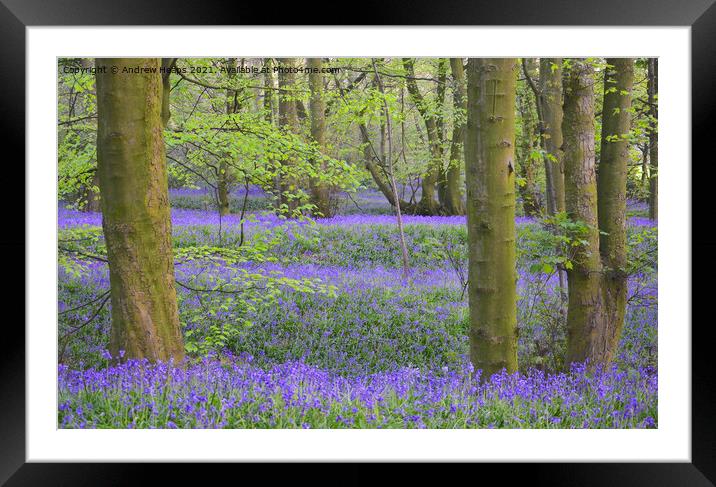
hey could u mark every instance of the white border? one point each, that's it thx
(670, 442)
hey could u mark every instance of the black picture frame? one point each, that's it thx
(700, 15)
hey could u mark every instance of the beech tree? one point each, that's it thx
(224, 176)
(527, 162)
(320, 193)
(131, 168)
(550, 110)
(453, 200)
(287, 120)
(611, 196)
(490, 177)
(597, 279)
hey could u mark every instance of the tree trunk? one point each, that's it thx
(653, 91)
(453, 200)
(270, 116)
(427, 204)
(222, 188)
(611, 188)
(585, 315)
(223, 183)
(644, 165)
(90, 197)
(531, 198)
(287, 119)
(550, 101)
(131, 166)
(320, 192)
(391, 173)
(167, 65)
(441, 91)
(490, 176)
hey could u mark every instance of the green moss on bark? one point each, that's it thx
(489, 169)
(131, 169)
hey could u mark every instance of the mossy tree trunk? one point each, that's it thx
(611, 198)
(585, 315)
(320, 192)
(131, 167)
(288, 120)
(490, 176)
(550, 101)
(89, 196)
(453, 200)
(653, 92)
(597, 281)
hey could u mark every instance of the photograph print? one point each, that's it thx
(315, 243)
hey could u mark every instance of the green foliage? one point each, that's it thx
(220, 308)
(77, 246)
(554, 244)
(76, 134)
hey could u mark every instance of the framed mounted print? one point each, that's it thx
(411, 243)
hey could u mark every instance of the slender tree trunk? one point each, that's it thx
(320, 192)
(611, 188)
(131, 166)
(531, 198)
(653, 91)
(550, 101)
(427, 204)
(585, 316)
(288, 119)
(223, 183)
(644, 165)
(440, 125)
(270, 116)
(89, 198)
(391, 175)
(489, 170)
(373, 161)
(222, 187)
(453, 200)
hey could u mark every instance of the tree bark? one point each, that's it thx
(131, 166)
(91, 197)
(490, 176)
(453, 200)
(611, 198)
(531, 197)
(550, 101)
(223, 183)
(320, 192)
(441, 91)
(270, 117)
(585, 315)
(653, 91)
(167, 65)
(287, 119)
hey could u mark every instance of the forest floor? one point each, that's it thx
(315, 326)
